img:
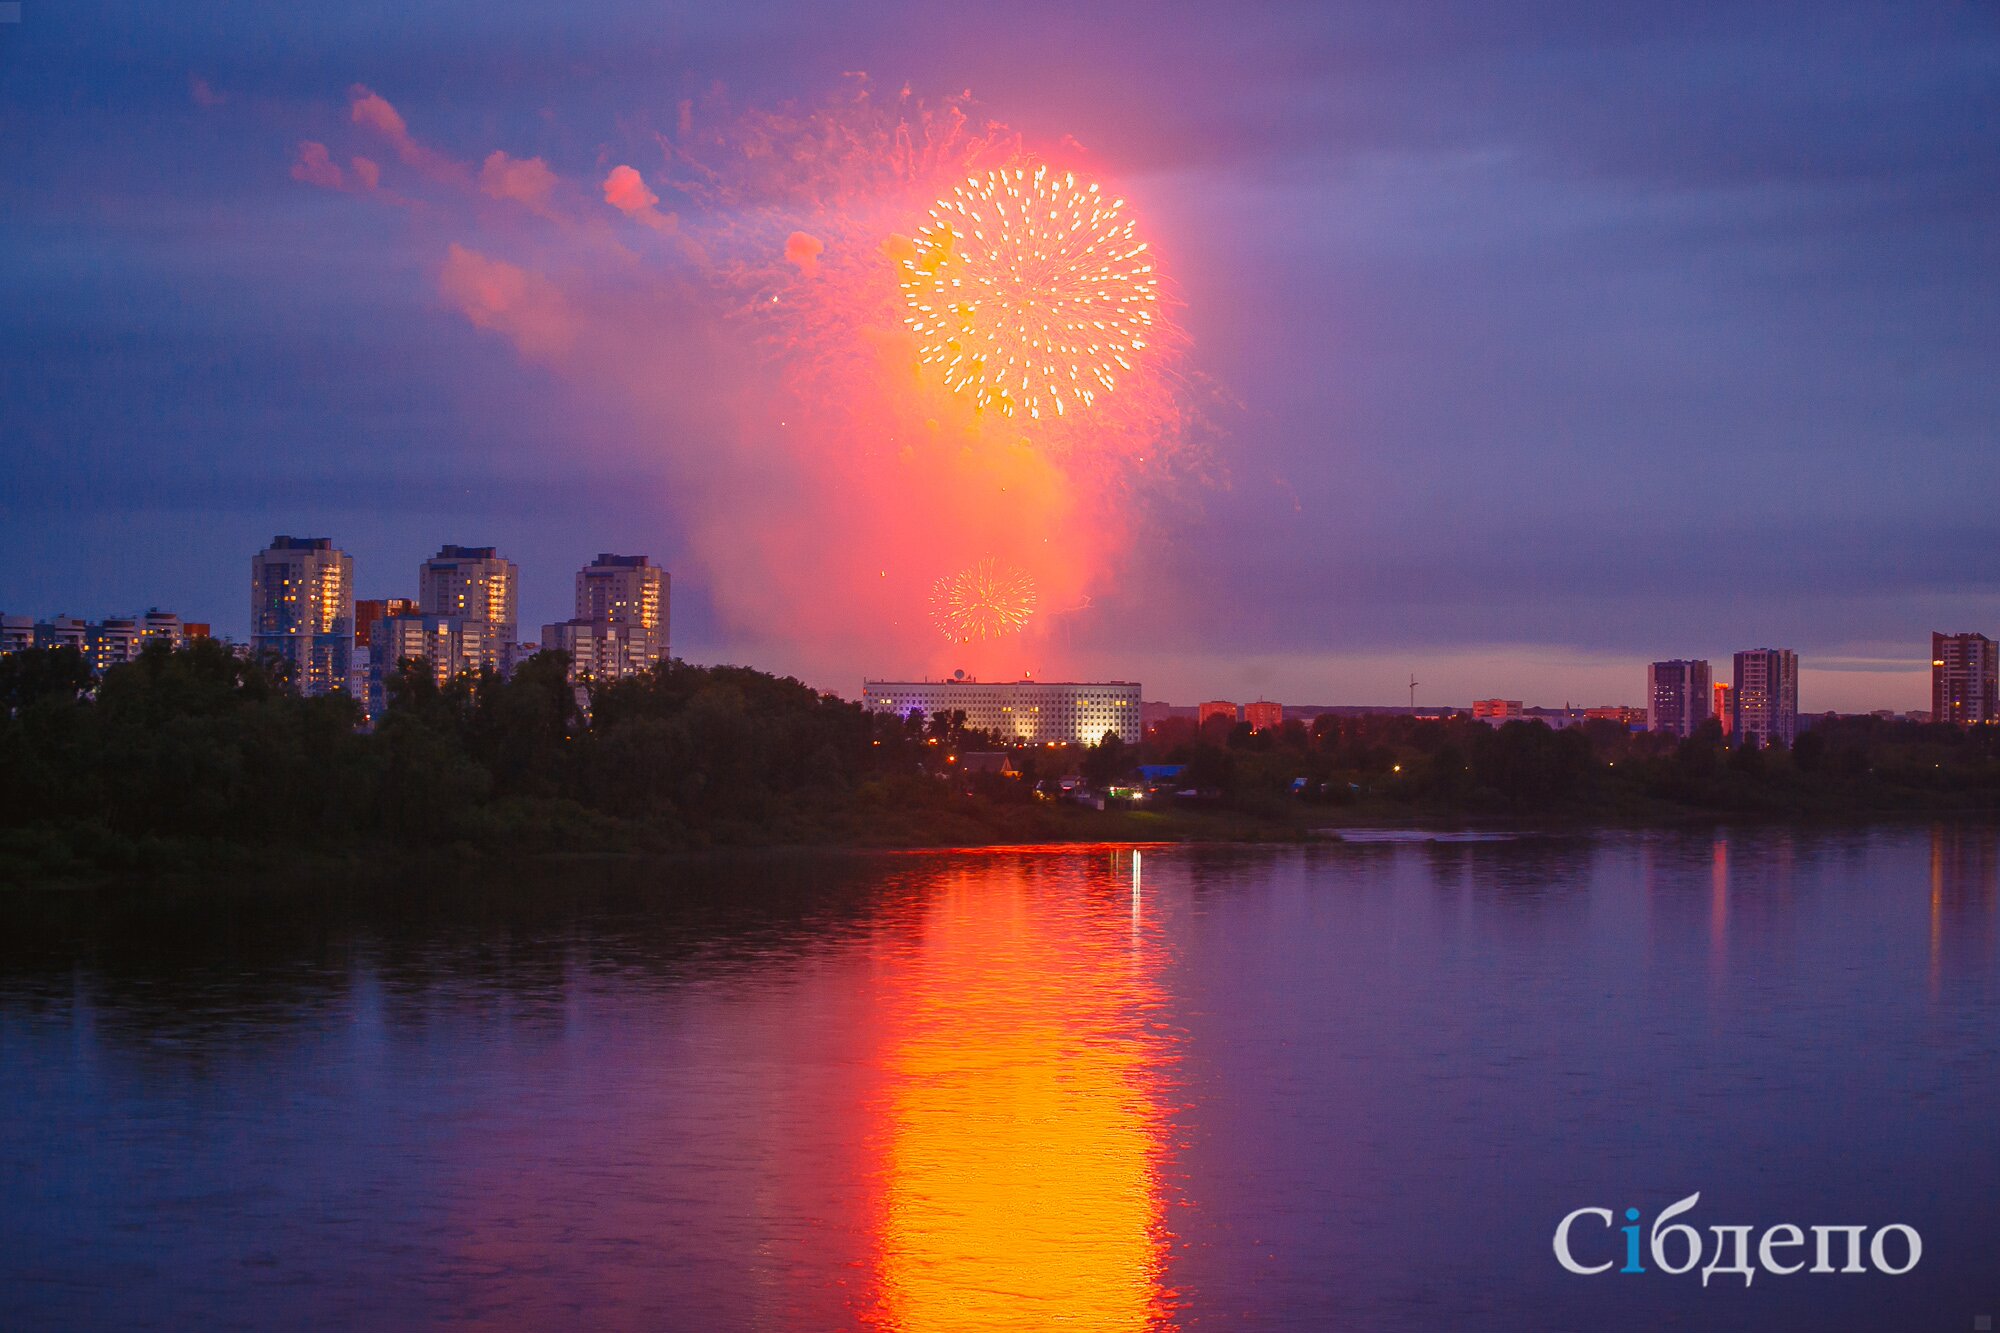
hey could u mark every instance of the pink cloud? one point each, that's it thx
(315, 166)
(203, 94)
(625, 190)
(802, 251)
(508, 299)
(526, 181)
(368, 172)
(372, 112)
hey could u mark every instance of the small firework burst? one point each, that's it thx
(986, 601)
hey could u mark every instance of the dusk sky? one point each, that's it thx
(1549, 338)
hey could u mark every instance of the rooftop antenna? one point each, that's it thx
(1413, 692)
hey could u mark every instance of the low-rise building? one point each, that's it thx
(1036, 712)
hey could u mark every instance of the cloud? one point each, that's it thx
(802, 251)
(367, 172)
(203, 94)
(315, 166)
(508, 299)
(625, 190)
(525, 181)
(372, 112)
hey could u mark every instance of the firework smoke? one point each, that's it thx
(777, 298)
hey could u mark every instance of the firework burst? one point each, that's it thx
(1029, 293)
(986, 601)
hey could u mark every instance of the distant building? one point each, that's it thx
(302, 611)
(1037, 712)
(602, 650)
(1215, 708)
(1722, 710)
(112, 641)
(1264, 715)
(1679, 694)
(1629, 718)
(63, 632)
(1496, 711)
(622, 615)
(1765, 698)
(17, 634)
(452, 645)
(1965, 679)
(625, 590)
(370, 610)
(471, 581)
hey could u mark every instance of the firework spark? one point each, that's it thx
(1029, 292)
(987, 601)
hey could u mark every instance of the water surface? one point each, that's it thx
(1343, 1086)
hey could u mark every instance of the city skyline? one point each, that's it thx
(1454, 336)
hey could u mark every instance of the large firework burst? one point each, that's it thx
(1029, 292)
(986, 601)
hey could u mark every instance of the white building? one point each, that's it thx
(620, 626)
(302, 611)
(1034, 711)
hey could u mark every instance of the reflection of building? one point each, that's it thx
(1677, 696)
(1765, 699)
(1034, 711)
(1496, 711)
(302, 611)
(1723, 714)
(1965, 679)
(1215, 708)
(472, 581)
(1264, 715)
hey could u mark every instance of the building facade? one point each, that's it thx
(471, 581)
(1264, 715)
(1679, 694)
(1723, 712)
(624, 590)
(1034, 712)
(369, 610)
(602, 650)
(450, 644)
(1496, 711)
(1764, 699)
(1215, 708)
(302, 612)
(1965, 679)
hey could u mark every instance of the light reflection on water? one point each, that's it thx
(1084, 1088)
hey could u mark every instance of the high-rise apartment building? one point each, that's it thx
(1264, 715)
(1764, 701)
(1037, 712)
(371, 609)
(302, 611)
(1678, 696)
(112, 641)
(620, 626)
(472, 581)
(1965, 679)
(625, 590)
(1723, 713)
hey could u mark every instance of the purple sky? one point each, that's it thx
(1566, 335)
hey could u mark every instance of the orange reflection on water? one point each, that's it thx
(1021, 1124)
